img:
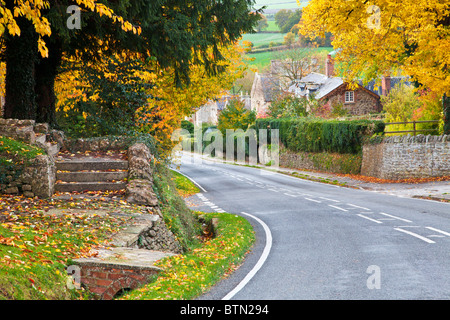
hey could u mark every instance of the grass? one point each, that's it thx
(264, 39)
(36, 248)
(185, 277)
(16, 152)
(262, 59)
(184, 186)
(272, 26)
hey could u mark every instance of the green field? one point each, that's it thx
(264, 39)
(272, 26)
(262, 60)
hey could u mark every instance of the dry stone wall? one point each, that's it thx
(403, 157)
(38, 177)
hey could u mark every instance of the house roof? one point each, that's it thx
(314, 77)
(395, 81)
(270, 86)
(318, 83)
(328, 86)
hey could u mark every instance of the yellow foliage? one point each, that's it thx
(32, 10)
(162, 116)
(373, 37)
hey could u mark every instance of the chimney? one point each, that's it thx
(329, 66)
(385, 85)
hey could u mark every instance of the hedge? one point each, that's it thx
(320, 135)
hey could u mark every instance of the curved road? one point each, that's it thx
(326, 242)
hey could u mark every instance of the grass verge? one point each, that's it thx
(187, 276)
(36, 248)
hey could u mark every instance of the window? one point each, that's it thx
(349, 96)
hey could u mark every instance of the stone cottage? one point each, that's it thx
(265, 89)
(332, 91)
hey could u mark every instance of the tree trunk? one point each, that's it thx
(46, 72)
(20, 55)
(446, 107)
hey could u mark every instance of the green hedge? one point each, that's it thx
(320, 135)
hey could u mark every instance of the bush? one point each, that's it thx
(318, 135)
(236, 116)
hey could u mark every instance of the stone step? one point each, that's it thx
(79, 176)
(89, 186)
(91, 164)
(118, 268)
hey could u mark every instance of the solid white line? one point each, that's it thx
(415, 235)
(362, 216)
(193, 181)
(330, 205)
(388, 215)
(260, 262)
(437, 230)
(313, 200)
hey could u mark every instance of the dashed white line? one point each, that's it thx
(418, 236)
(355, 206)
(291, 195)
(394, 217)
(365, 217)
(309, 199)
(339, 208)
(323, 198)
(437, 230)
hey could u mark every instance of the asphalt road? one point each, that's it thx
(317, 241)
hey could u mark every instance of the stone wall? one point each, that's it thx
(403, 157)
(39, 176)
(321, 161)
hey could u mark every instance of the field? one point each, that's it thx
(262, 60)
(264, 39)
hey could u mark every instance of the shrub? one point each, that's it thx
(236, 116)
(317, 135)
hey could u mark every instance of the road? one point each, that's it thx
(318, 241)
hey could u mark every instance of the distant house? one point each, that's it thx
(209, 113)
(265, 89)
(332, 91)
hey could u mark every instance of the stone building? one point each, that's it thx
(333, 91)
(264, 90)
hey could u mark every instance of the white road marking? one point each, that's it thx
(363, 216)
(291, 195)
(355, 206)
(330, 205)
(395, 217)
(260, 262)
(418, 236)
(437, 230)
(313, 200)
(329, 199)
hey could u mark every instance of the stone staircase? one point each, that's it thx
(82, 174)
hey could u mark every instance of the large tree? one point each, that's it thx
(382, 37)
(176, 33)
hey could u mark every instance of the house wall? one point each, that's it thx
(258, 102)
(364, 103)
